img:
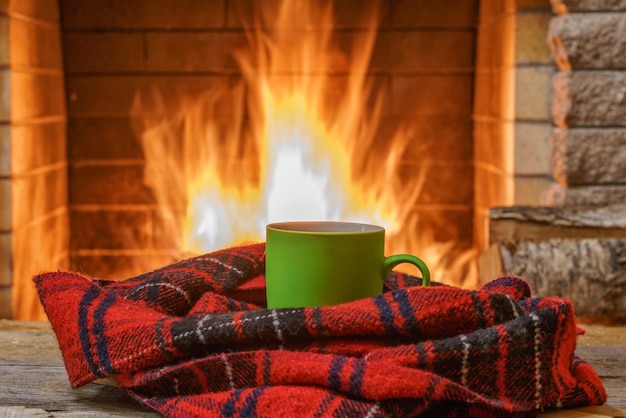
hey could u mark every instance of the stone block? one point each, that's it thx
(38, 246)
(34, 45)
(530, 37)
(532, 93)
(586, 156)
(5, 97)
(5, 150)
(445, 225)
(417, 13)
(146, 14)
(118, 265)
(99, 52)
(589, 98)
(496, 9)
(432, 95)
(6, 302)
(493, 144)
(352, 14)
(557, 194)
(573, 6)
(424, 51)
(496, 188)
(38, 194)
(533, 4)
(35, 95)
(439, 138)
(588, 41)
(113, 96)
(355, 14)
(496, 43)
(6, 259)
(192, 51)
(102, 139)
(38, 144)
(532, 148)
(494, 96)
(107, 228)
(46, 10)
(5, 208)
(529, 191)
(93, 184)
(444, 183)
(5, 49)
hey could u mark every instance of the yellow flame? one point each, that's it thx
(295, 140)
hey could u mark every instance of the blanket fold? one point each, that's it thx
(195, 339)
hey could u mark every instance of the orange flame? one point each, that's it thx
(294, 140)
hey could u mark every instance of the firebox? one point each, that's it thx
(439, 110)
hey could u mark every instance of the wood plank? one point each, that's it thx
(47, 388)
(541, 223)
(20, 411)
(586, 412)
(601, 335)
(607, 360)
(33, 379)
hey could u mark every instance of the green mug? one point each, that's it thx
(326, 263)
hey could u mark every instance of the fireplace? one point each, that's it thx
(469, 84)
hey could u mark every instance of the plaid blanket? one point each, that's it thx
(194, 339)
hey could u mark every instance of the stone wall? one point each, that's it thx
(33, 162)
(588, 144)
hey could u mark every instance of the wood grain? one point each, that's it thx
(542, 222)
(591, 272)
(33, 380)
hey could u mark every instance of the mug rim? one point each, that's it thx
(324, 227)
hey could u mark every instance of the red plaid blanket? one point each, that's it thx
(193, 339)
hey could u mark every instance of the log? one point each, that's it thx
(589, 272)
(542, 223)
(583, 156)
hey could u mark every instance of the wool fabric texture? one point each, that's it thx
(195, 339)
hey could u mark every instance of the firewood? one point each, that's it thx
(591, 272)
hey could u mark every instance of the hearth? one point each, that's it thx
(454, 80)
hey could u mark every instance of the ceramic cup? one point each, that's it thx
(326, 263)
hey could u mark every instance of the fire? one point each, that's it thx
(294, 140)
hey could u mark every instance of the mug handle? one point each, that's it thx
(393, 260)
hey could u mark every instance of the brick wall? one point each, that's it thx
(423, 61)
(493, 111)
(33, 162)
(533, 125)
(512, 124)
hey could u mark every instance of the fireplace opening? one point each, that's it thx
(413, 98)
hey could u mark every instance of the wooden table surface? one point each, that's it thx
(33, 381)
